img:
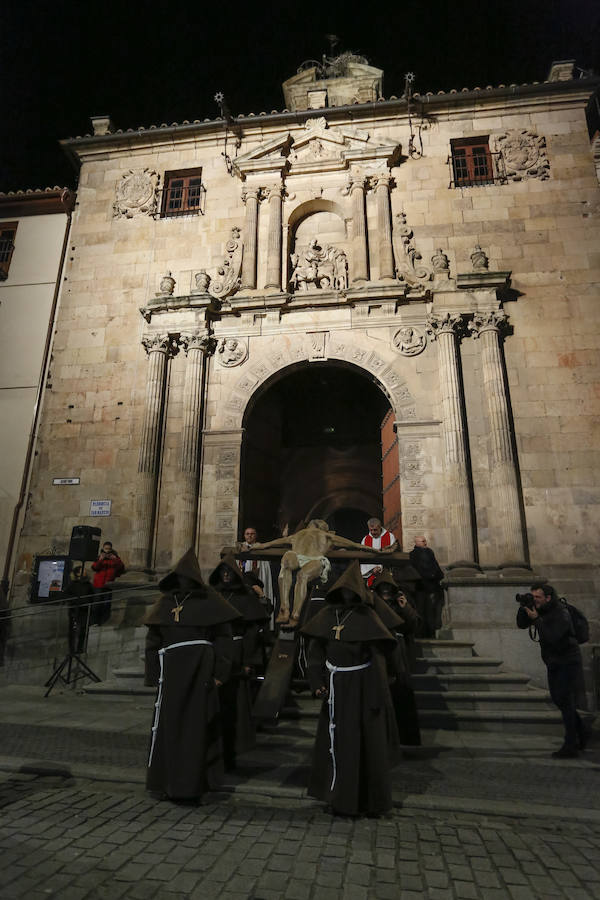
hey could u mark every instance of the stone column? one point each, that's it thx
(158, 348)
(360, 256)
(381, 184)
(504, 489)
(199, 347)
(445, 330)
(250, 196)
(274, 193)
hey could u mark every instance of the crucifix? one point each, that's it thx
(176, 610)
(337, 628)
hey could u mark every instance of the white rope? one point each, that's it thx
(157, 705)
(333, 670)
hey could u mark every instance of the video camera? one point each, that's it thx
(525, 600)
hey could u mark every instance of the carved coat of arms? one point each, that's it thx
(136, 194)
(524, 154)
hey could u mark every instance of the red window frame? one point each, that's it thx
(183, 193)
(472, 161)
(8, 231)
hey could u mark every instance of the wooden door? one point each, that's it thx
(390, 471)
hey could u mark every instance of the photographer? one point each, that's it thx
(562, 656)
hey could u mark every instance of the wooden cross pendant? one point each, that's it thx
(176, 610)
(337, 629)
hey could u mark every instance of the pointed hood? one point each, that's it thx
(187, 567)
(361, 622)
(350, 580)
(238, 593)
(201, 605)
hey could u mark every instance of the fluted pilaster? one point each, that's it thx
(445, 329)
(504, 500)
(157, 348)
(360, 255)
(384, 226)
(198, 347)
(274, 194)
(250, 196)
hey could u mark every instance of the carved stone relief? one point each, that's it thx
(227, 279)
(409, 340)
(524, 154)
(136, 194)
(319, 267)
(316, 344)
(232, 352)
(409, 262)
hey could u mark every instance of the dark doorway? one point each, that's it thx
(312, 449)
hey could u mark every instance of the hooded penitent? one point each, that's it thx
(189, 648)
(237, 592)
(200, 605)
(350, 603)
(356, 736)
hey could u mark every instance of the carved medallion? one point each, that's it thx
(524, 154)
(232, 352)
(409, 340)
(136, 194)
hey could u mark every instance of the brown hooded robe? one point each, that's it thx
(188, 645)
(357, 740)
(403, 695)
(239, 732)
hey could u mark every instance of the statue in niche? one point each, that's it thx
(319, 268)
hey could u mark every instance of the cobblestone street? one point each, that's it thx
(77, 840)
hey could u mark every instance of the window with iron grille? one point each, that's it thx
(8, 231)
(471, 162)
(183, 193)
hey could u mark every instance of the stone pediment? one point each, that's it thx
(318, 148)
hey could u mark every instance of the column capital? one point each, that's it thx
(444, 323)
(161, 343)
(491, 320)
(251, 193)
(274, 191)
(355, 182)
(198, 340)
(381, 180)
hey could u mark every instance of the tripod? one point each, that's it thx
(72, 662)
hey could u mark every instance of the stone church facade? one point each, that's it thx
(445, 247)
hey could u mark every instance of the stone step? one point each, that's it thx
(469, 681)
(525, 722)
(457, 664)
(517, 701)
(121, 685)
(427, 647)
(129, 672)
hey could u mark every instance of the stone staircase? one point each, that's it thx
(455, 691)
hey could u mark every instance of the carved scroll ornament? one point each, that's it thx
(227, 279)
(408, 260)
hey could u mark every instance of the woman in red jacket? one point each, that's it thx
(108, 567)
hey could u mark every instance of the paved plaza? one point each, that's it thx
(487, 815)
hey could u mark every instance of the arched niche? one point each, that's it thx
(312, 445)
(317, 220)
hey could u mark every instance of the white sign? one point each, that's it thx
(100, 507)
(65, 481)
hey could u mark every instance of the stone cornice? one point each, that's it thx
(577, 91)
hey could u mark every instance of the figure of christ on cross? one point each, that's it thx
(309, 547)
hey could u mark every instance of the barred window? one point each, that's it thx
(8, 231)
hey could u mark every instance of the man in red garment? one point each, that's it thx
(108, 567)
(378, 538)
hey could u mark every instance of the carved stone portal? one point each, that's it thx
(136, 194)
(524, 155)
(319, 268)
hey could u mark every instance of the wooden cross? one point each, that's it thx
(337, 629)
(176, 610)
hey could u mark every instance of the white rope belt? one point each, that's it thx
(238, 637)
(157, 705)
(333, 670)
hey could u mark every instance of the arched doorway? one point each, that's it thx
(312, 449)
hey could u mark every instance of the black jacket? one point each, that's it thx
(558, 644)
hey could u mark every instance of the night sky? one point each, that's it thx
(143, 64)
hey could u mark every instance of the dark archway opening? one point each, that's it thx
(312, 449)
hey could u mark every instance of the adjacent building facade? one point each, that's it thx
(434, 257)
